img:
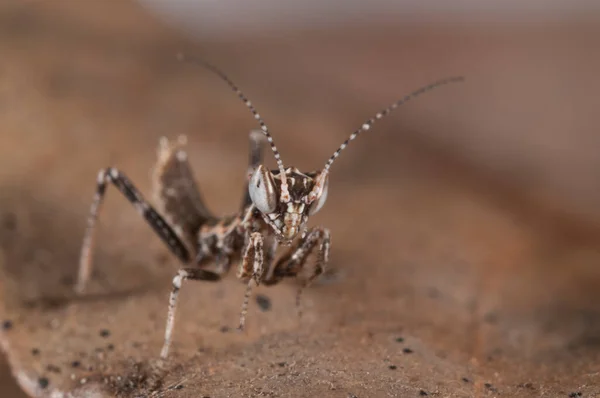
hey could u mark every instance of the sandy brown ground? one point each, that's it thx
(465, 237)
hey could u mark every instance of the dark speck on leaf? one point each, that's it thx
(393, 367)
(6, 325)
(263, 302)
(104, 333)
(407, 350)
(53, 368)
(43, 382)
(490, 387)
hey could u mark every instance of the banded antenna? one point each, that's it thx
(285, 195)
(367, 125)
(322, 177)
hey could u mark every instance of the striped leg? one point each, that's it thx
(292, 262)
(251, 267)
(160, 226)
(195, 274)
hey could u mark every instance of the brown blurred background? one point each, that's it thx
(508, 160)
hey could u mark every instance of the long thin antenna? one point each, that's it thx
(285, 195)
(367, 125)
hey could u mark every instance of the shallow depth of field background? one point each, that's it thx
(481, 199)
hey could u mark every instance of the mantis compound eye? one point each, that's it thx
(320, 200)
(262, 190)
